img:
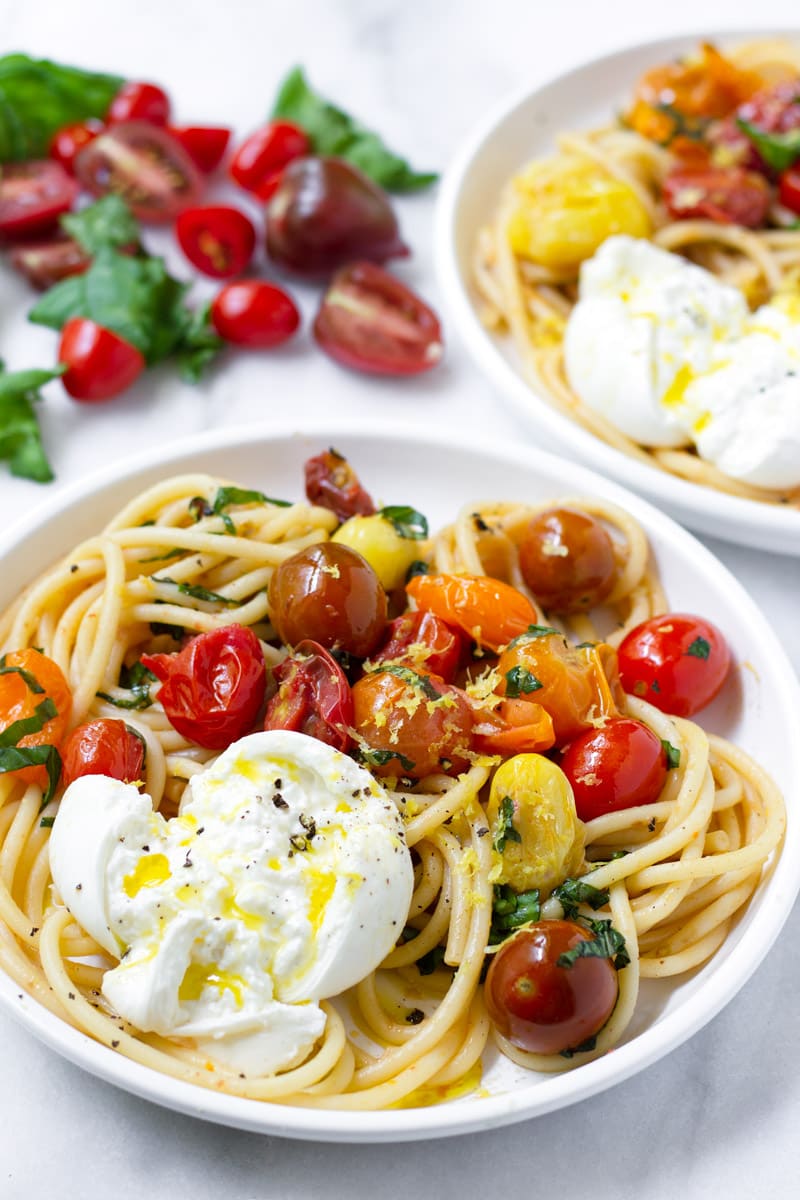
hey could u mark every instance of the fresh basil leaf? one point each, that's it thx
(332, 131)
(199, 346)
(196, 592)
(519, 680)
(505, 831)
(379, 758)
(607, 942)
(778, 150)
(699, 648)
(136, 679)
(673, 754)
(407, 522)
(512, 909)
(44, 711)
(16, 758)
(20, 436)
(107, 222)
(235, 495)
(572, 893)
(38, 97)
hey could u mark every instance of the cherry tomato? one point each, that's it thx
(789, 189)
(140, 102)
(424, 642)
(313, 697)
(676, 662)
(33, 195)
(540, 1006)
(514, 727)
(49, 260)
(567, 560)
(214, 687)
(18, 702)
(332, 483)
(205, 144)
(370, 321)
(254, 314)
(261, 157)
(489, 611)
(330, 594)
(103, 747)
(145, 166)
(216, 239)
(619, 765)
(68, 141)
(99, 364)
(415, 724)
(771, 110)
(729, 195)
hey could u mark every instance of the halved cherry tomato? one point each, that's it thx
(68, 141)
(414, 724)
(18, 702)
(99, 363)
(33, 195)
(140, 102)
(789, 189)
(144, 165)
(217, 239)
(619, 765)
(677, 662)
(541, 1006)
(313, 697)
(263, 155)
(332, 483)
(489, 611)
(205, 144)
(214, 687)
(514, 727)
(254, 314)
(424, 642)
(370, 321)
(103, 747)
(728, 195)
(567, 560)
(49, 260)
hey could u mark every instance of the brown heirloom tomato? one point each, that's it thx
(332, 483)
(567, 560)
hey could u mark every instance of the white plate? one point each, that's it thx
(762, 714)
(522, 129)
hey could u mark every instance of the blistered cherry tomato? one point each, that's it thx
(789, 189)
(540, 1006)
(424, 642)
(139, 102)
(567, 560)
(214, 687)
(313, 697)
(99, 363)
(68, 141)
(33, 195)
(618, 765)
(18, 702)
(677, 662)
(49, 260)
(370, 321)
(771, 110)
(144, 165)
(513, 727)
(254, 314)
(729, 195)
(489, 611)
(103, 747)
(414, 723)
(332, 483)
(263, 155)
(331, 595)
(217, 239)
(205, 144)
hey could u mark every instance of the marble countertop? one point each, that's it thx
(720, 1113)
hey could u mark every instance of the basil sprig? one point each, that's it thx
(407, 522)
(20, 437)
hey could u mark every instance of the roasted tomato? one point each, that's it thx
(676, 662)
(103, 747)
(332, 483)
(513, 727)
(489, 611)
(99, 364)
(773, 110)
(144, 165)
(29, 679)
(313, 697)
(33, 195)
(729, 195)
(424, 642)
(619, 765)
(567, 560)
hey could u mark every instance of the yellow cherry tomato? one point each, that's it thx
(376, 539)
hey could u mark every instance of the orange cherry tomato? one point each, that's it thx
(514, 727)
(19, 701)
(491, 612)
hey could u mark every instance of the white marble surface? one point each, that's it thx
(720, 1114)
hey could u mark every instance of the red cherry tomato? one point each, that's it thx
(18, 702)
(789, 189)
(729, 195)
(370, 321)
(261, 157)
(33, 195)
(217, 239)
(619, 765)
(313, 697)
(205, 144)
(99, 364)
(255, 314)
(214, 687)
(489, 611)
(140, 102)
(49, 260)
(540, 1006)
(332, 483)
(104, 747)
(676, 662)
(144, 165)
(72, 138)
(423, 642)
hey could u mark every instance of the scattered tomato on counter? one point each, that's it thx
(99, 363)
(144, 165)
(71, 138)
(33, 195)
(254, 314)
(205, 144)
(217, 239)
(140, 102)
(257, 164)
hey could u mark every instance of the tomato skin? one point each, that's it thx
(544, 1008)
(102, 747)
(567, 560)
(489, 611)
(205, 144)
(217, 239)
(789, 189)
(257, 163)
(425, 643)
(214, 687)
(99, 364)
(332, 483)
(144, 165)
(657, 662)
(49, 260)
(68, 141)
(370, 321)
(619, 765)
(33, 195)
(254, 314)
(313, 697)
(728, 195)
(17, 701)
(139, 102)
(514, 727)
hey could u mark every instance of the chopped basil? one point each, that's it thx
(412, 678)
(699, 648)
(505, 826)
(31, 680)
(136, 679)
(176, 632)
(231, 495)
(673, 754)
(431, 961)
(107, 222)
(533, 631)
(519, 680)
(14, 757)
(511, 909)
(574, 892)
(407, 522)
(583, 1048)
(607, 942)
(44, 711)
(47, 822)
(379, 758)
(196, 592)
(175, 552)
(418, 567)
(778, 150)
